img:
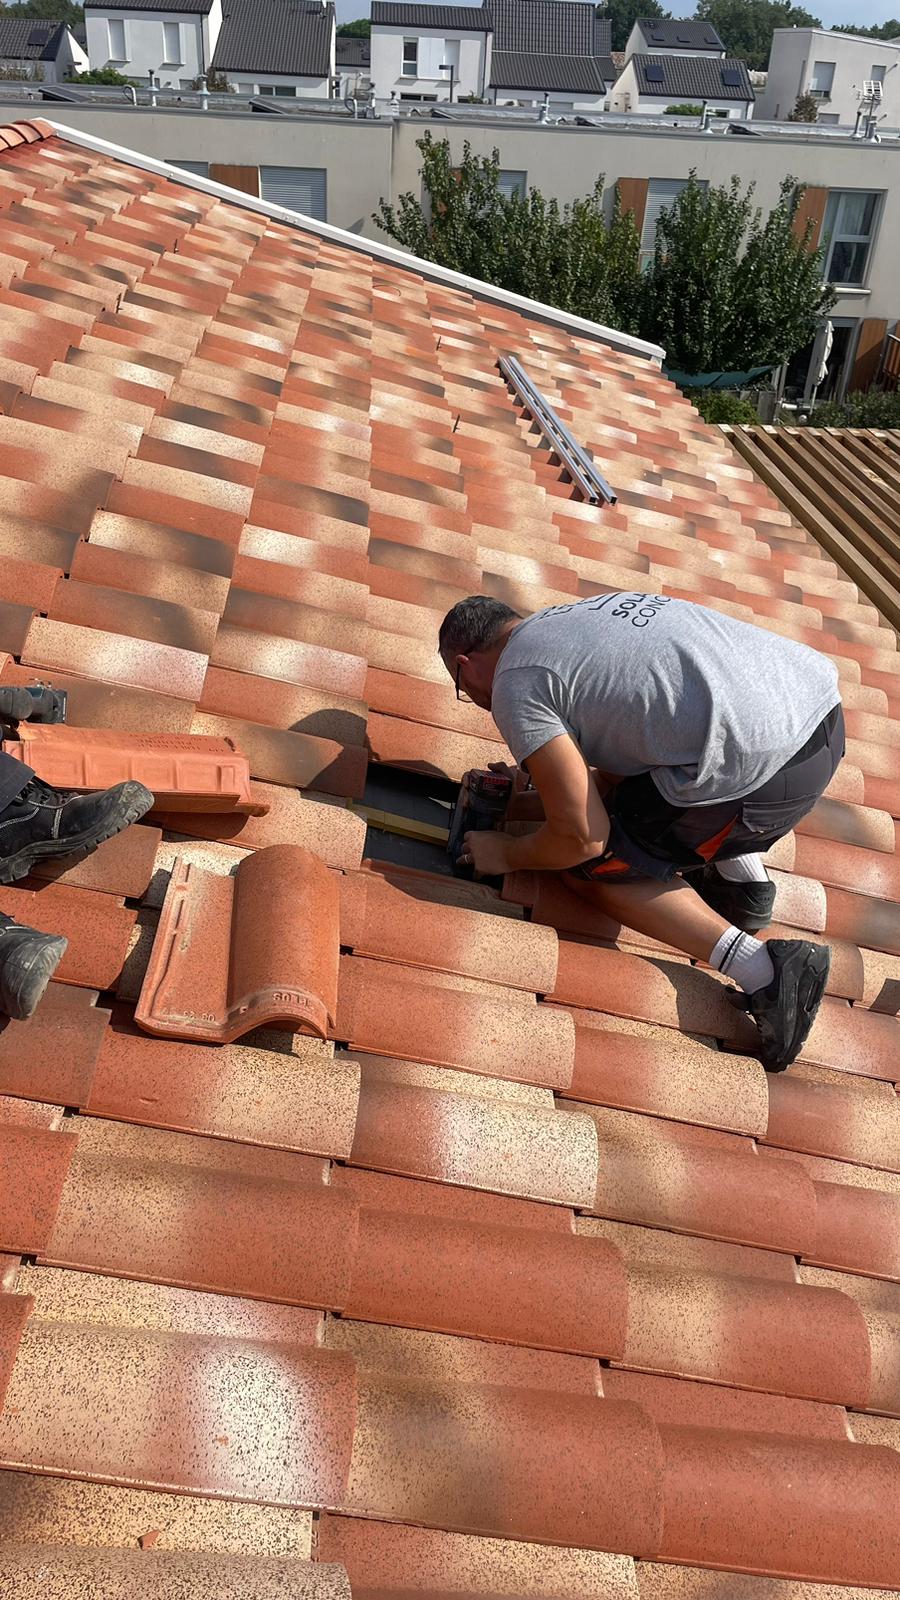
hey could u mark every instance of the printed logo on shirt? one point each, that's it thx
(638, 609)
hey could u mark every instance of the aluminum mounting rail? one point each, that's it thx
(580, 466)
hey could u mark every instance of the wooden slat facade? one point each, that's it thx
(843, 485)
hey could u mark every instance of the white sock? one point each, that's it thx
(742, 869)
(739, 956)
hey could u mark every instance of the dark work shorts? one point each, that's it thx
(651, 838)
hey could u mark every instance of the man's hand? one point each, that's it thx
(486, 851)
(577, 824)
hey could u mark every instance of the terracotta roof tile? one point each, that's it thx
(243, 471)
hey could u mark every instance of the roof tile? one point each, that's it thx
(52, 1057)
(35, 1164)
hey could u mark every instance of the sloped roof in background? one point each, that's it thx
(350, 52)
(693, 77)
(25, 39)
(551, 27)
(679, 33)
(397, 14)
(542, 1287)
(148, 5)
(513, 69)
(296, 34)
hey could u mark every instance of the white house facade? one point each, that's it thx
(850, 78)
(422, 52)
(44, 51)
(651, 84)
(172, 43)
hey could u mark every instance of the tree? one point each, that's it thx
(805, 109)
(49, 11)
(754, 287)
(685, 110)
(360, 29)
(623, 14)
(880, 30)
(746, 26)
(104, 75)
(566, 256)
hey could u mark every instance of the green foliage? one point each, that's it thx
(685, 110)
(101, 75)
(874, 408)
(360, 29)
(725, 290)
(805, 109)
(565, 255)
(880, 30)
(746, 26)
(722, 405)
(49, 11)
(754, 289)
(623, 15)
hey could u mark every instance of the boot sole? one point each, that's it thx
(77, 848)
(38, 972)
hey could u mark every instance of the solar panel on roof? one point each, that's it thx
(39, 35)
(655, 75)
(731, 77)
(658, 38)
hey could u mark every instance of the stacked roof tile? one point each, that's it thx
(527, 1280)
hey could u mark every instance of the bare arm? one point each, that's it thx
(577, 822)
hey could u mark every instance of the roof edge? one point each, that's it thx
(370, 247)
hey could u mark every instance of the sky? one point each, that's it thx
(865, 13)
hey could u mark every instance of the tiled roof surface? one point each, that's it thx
(351, 52)
(149, 5)
(399, 14)
(698, 77)
(553, 27)
(24, 39)
(527, 1281)
(514, 69)
(679, 33)
(275, 36)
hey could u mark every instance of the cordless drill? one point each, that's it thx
(36, 703)
(481, 804)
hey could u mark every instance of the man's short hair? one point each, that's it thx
(474, 624)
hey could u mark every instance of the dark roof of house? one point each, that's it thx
(522, 69)
(287, 38)
(164, 6)
(29, 39)
(550, 27)
(475, 19)
(351, 52)
(694, 78)
(679, 34)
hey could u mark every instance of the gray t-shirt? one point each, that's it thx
(711, 707)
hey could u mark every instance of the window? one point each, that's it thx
(285, 91)
(198, 169)
(118, 50)
(660, 194)
(297, 188)
(410, 58)
(171, 44)
(822, 79)
(420, 98)
(847, 234)
(513, 183)
(877, 74)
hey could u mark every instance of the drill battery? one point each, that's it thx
(482, 802)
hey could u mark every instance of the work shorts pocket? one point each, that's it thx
(773, 818)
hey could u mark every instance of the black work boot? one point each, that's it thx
(28, 960)
(748, 906)
(44, 824)
(786, 1009)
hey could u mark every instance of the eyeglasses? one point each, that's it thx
(461, 693)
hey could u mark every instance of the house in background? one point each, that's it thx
(680, 36)
(352, 59)
(651, 83)
(849, 78)
(277, 47)
(430, 52)
(558, 49)
(47, 52)
(172, 41)
(512, 52)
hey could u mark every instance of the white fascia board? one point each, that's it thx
(370, 247)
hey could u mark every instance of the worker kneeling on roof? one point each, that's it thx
(670, 746)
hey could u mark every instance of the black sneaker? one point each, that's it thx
(785, 1011)
(748, 906)
(45, 824)
(28, 960)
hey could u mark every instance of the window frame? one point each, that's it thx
(838, 236)
(647, 251)
(117, 22)
(814, 90)
(404, 64)
(517, 182)
(178, 59)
